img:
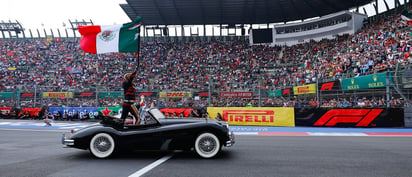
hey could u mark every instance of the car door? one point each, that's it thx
(147, 136)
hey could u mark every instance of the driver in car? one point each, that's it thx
(129, 98)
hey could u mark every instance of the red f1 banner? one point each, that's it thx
(147, 94)
(287, 91)
(329, 86)
(24, 95)
(267, 116)
(342, 117)
(360, 117)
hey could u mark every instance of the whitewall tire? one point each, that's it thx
(102, 145)
(207, 145)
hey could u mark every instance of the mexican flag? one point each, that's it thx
(305, 64)
(407, 16)
(115, 38)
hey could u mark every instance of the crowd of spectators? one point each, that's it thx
(60, 65)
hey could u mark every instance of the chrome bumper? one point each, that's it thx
(67, 142)
(231, 140)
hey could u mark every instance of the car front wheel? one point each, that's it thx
(102, 145)
(207, 145)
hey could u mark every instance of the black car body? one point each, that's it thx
(204, 135)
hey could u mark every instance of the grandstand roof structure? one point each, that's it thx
(199, 12)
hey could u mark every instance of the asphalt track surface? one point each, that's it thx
(37, 152)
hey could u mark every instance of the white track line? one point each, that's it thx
(246, 133)
(152, 166)
(34, 130)
(335, 134)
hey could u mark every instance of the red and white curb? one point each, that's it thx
(322, 134)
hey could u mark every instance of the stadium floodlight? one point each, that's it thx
(13, 28)
(74, 24)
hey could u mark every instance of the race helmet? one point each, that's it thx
(127, 76)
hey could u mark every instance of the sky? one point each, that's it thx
(39, 14)
(51, 14)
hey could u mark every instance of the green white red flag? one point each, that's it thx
(407, 16)
(114, 38)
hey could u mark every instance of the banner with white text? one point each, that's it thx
(263, 116)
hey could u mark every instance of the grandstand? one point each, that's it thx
(326, 27)
(198, 68)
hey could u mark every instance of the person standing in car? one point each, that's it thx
(129, 94)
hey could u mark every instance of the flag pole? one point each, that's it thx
(138, 52)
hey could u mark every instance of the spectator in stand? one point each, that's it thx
(60, 65)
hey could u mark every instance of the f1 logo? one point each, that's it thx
(363, 117)
(327, 86)
(286, 92)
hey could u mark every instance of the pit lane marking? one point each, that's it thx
(152, 165)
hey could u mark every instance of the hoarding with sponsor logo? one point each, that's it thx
(25, 95)
(110, 94)
(92, 111)
(287, 92)
(176, 94)
(5, 110)
(372, 117)
(146, 94)
(304, 89)
(84, 94)
(6, 95)
(268, 116)
(365, 82)
(275, 93)
(57, 94)
(237, 94)
(333, 86)
(205, 94)
(31, 111)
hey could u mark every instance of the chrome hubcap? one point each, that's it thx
(207, 145)
(102, 144)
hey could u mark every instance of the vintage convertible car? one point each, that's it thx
(205, 136)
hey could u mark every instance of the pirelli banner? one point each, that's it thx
(175, 94)
(262, 116)
(58, 95)
(305, 89)
(365, 117)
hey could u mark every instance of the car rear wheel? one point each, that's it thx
(102, 145)
(207, 145)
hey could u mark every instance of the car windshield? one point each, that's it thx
(157, 114)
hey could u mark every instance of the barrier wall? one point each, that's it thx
(373, 117)
(94, 111)
(408, 117)
(272, 116)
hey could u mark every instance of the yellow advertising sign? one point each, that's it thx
(262, 116)
(175, 94)
(305, 89)
(57, 94)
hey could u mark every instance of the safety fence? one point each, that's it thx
(387, 89)
(254, 116)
